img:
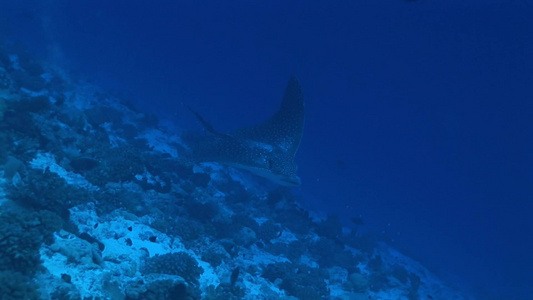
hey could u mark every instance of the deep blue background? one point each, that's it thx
(419, 113)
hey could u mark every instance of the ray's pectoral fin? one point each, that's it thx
(267, 149)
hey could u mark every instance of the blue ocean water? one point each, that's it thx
(418, 113)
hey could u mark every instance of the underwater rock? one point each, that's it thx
(245, 237)
(358, 282)
(28, 81)
(3, 107)
(78, 251)
(82, 164)
(11, 167)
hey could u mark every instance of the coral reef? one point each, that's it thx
(181, 264)
(104, 207)
(21, 234)
(16, 286)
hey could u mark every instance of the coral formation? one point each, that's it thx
(21, 235)
(15, 286)
(105, 208)
(180, 263)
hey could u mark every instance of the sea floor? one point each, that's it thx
(96, 203)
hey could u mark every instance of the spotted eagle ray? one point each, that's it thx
(267, 149)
